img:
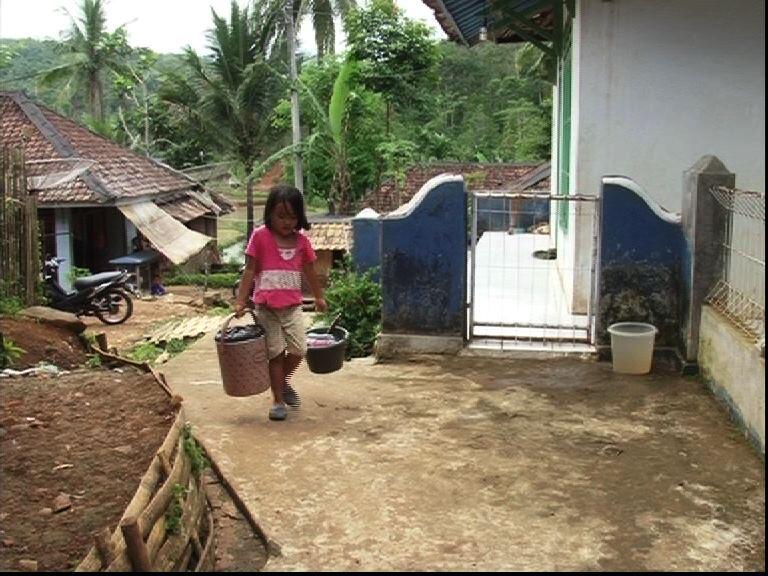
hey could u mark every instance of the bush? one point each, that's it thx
(11, 305)
(218, 280)
(357, 298)
(9, 351)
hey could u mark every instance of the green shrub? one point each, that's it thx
(149, 351)
(145, 352)
(194, 451)
(175, 511)
(357, 297)
(11, 304)
(218, 280)
(9, 352)
(76, 273)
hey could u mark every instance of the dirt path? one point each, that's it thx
(455, 463)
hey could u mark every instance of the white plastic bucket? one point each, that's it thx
(632, 346)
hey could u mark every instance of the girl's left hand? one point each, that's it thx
(321, 305)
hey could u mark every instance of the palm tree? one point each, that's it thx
(94, 50)
(230, 93)
(322, 13)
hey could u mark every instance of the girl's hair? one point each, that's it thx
(293, 197)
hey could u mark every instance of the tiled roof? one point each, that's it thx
(331, 235)
(477, 176)
(115, 173)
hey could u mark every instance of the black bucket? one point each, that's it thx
(328, 358)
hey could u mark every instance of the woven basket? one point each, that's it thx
(244, 364)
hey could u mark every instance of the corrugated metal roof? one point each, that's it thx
(462, 19)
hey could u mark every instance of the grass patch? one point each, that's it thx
(217, 280)
(149, 351)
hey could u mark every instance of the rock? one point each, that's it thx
(9, 542)
(28, 565)
(55, 317)
(45, 512)
(125, 449)
(62, 502)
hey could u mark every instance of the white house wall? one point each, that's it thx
(63, 230)
(660, 83)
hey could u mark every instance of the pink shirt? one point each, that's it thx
(278, 270)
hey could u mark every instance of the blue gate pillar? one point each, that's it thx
(366, 242)
(423, 271)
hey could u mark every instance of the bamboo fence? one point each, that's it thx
(143, 540)
(19, 261)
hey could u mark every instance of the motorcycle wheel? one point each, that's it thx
(115, 307)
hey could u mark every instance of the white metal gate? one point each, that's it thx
(532, 268)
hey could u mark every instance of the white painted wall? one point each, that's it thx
(63, 228)
(732, 366)
(660, 83)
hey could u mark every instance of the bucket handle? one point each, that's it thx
(229, 318)
(333, 324)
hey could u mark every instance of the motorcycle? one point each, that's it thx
(102, 295)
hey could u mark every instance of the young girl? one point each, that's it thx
(277, 255)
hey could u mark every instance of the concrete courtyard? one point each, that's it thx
(477, 463)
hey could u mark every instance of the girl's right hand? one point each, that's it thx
(239, 309)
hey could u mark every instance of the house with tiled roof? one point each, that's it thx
(95, 198)
(529, 177)
(331, 238)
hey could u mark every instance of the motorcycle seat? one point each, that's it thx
(96, 279)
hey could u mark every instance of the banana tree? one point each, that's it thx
(331, 138)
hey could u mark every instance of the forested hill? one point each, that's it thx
(23, 62)
(365, 117)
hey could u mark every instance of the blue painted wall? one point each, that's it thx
(424, 263)
(642, 258)
(366, 245)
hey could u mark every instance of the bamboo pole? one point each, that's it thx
(104, 547)
(172, 551)
(134, 543)
(160, 501)
(206, 563)
(141, 498)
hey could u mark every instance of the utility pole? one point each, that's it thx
(298, 174)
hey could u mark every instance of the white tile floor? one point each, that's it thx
(514, 288)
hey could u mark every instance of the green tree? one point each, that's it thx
(93, 51)
(362, 133)
(328, 143)
(230, 93)
(397, 56)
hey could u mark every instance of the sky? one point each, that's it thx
(162, 25)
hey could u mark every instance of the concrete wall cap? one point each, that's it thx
(366, 214)
(406, 209)
(660, 211)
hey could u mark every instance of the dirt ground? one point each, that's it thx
(75, 445)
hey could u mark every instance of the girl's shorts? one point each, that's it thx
(285, 330)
